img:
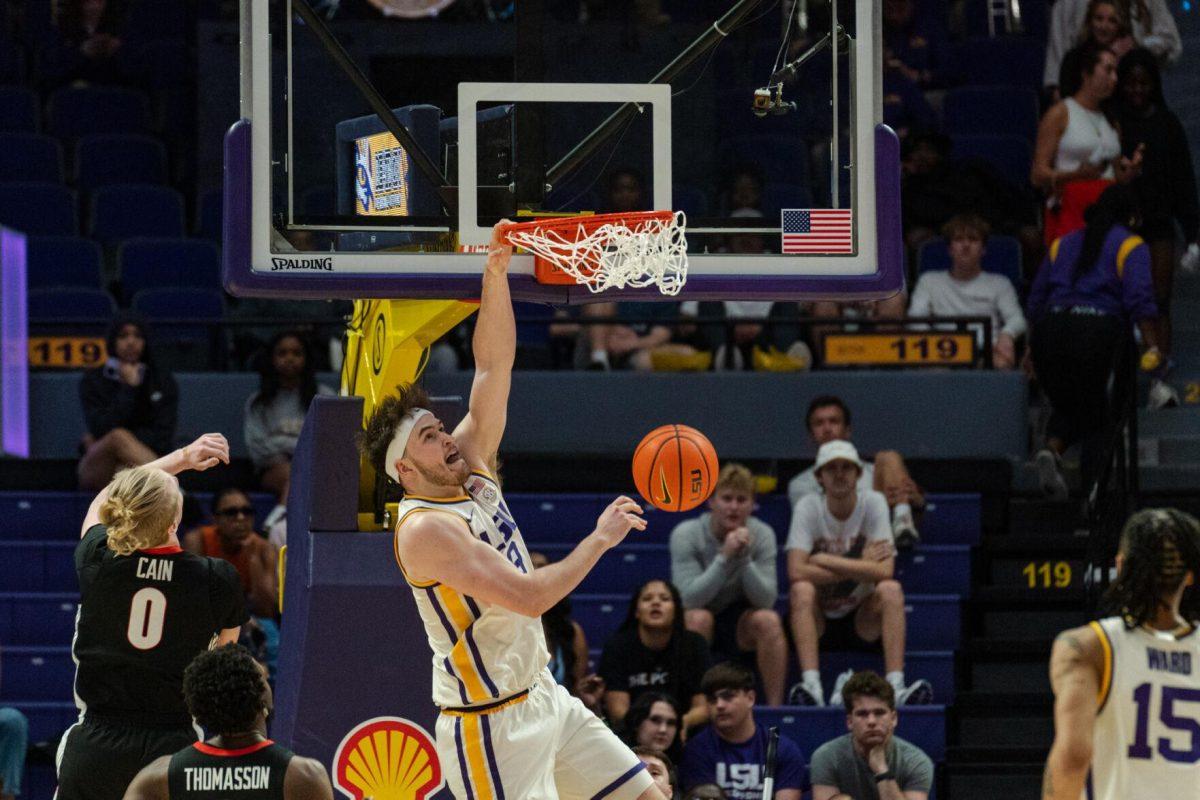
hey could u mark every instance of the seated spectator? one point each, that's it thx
(1078, 151)
(129, 406)
(742, 189)
(14, 738)
(732, 750)
(870, 762)
(914, 35)
(85, 43)
(568, 648)
(628, 343)
(654, 721)
(233, 538)
(841, 562)
(652, 651)
(1105, 26)
(967, 291)
(724, 565)
(659, 765)
(905, 109)
(828, 420)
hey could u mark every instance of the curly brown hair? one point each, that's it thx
(867, 684)
(375, 437)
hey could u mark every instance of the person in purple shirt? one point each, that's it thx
(732, 751)
(1093, 283)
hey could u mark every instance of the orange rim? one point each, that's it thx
(587, 224)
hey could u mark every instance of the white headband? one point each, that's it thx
(399, 443)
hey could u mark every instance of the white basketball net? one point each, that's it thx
(651, 252)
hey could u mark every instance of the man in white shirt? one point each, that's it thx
(841, 560)
(827, 420)
(967, 291)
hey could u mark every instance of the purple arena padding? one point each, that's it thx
(242, 280)
(14, 343)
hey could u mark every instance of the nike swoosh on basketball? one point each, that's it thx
(662, 478)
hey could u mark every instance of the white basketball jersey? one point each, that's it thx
(1147, 738)
(481, 652)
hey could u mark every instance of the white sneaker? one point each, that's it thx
(917, 693)
(1162, 395)
(904, 531)
(835, 698)
(1050, 476)
(803, 694)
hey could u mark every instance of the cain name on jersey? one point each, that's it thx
(156, 569)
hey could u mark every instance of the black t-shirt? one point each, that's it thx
(627, 665)
(142, 619)
(252, 773)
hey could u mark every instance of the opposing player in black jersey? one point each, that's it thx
(146, 609)
(227, 692)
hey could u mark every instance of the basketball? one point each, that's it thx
(675, 467)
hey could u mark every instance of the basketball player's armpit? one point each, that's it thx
(306, 779)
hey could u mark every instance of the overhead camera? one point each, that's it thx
(769, 100)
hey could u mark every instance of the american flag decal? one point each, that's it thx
(817, 230)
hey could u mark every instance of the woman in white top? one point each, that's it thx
(1150, 23)
(1078, 151)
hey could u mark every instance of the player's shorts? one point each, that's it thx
(545, 745)
(99, 758)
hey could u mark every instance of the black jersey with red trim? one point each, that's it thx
(142, 619)
(204, 772)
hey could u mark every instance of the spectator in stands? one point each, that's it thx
(1166, 189)
(966, 290)
(1149, 22)
(1092, 285)
(129, 406)
(654, 721)
(1105, 26)
(724, 565)
(1078, 151)
(659, 765)
(568, 648)
(905, 108)
(652, 651)
(85, 44)
(913, 36)
(870, 762)
(732, 750)
(827, 420)
(841, 563)
(14, 737)
(233, 538)
(742, 188)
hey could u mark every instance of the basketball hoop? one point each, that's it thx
(607, 251)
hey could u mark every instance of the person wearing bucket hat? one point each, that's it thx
(841, 564)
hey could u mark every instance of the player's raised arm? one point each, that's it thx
(1075, 665)
(495, 347)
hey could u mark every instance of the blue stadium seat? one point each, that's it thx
(30, 157)
(37, 673)
(924, 726)
(185, 347)
(935, 666)
(167, 263)
(42, 515)
(621, 570)
(126, 212)
(94, 307)
(778, 196)
(60, 261)
(18, 110)
(41, 618)
(209, 209)
(783, 157)
(37, 566)
(38, 209)
(160, 63)
(152, 19)
(1002, 256)
(983, 110)
(109, 159)
(1010, 155)
(1001, 61)
(75, 111)
(47, 720)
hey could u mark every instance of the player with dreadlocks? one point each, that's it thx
(1127, 688)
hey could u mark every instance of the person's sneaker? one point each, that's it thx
(1162, 395)
(802, 694)
(835, 697)
(917, 693)
(1050, 476)
(904, 531)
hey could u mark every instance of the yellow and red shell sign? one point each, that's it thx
(387, 758)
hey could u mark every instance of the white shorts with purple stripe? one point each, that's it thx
(542, 746)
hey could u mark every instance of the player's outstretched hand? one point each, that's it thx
(206, 452)
(499, 250)
(621, 516)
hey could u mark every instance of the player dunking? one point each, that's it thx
(1127, 688)
(506, 730)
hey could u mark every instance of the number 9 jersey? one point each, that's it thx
(1147, 734)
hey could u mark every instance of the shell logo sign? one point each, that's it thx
(387, 758)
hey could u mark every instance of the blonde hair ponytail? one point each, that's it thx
(140, 508)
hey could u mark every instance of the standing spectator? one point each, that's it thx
(870, 762)
(659, 765)
(1166, 189)
(732, 751)
(1078, 151)
(828, 420)
(1105, 26)
(129, 405)
(14, 738)
(841, 562)
(232, 538)
(724, 565)
(85, 44)
(652, 651)
(1149, 22)
(654, 721)
(966, 290)
(1092, 285)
